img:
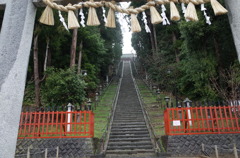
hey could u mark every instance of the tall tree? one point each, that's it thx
(74, 46)
(36, 72)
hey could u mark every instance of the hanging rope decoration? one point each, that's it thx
(174, 11)
(134, 21)
(189, 13)
(111, 15)
(72, 20)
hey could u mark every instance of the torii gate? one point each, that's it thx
(15, 44)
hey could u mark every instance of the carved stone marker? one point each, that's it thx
(15, 43)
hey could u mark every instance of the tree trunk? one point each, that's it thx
(36, 72)
(152, 42)
(155, 40)
(217, 52)
(73, 47)
(49, 61)
(151, 34)
(80, 57)
(46, 56)
(174, 38)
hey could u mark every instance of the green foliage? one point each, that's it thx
(91, 77)
(193, 51)
(62, 87)
(101, 47)
(29, 94)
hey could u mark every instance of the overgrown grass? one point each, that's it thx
(103, 110)
(154, 108)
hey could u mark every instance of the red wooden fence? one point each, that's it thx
(58, 124)
(202, 120)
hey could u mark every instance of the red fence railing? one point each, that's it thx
(58, 124)
(202, 120)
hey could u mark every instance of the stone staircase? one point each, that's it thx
(129, 134)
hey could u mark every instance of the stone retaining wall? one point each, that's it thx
(68, 147)
(190, 145)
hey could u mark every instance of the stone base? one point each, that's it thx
(191, 145)
(68, 147)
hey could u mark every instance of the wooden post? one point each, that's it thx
(235, 150)
(57, 152)
(46, 153)
(28, 152)
(216, 151)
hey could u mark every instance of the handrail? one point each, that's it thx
(146, 117)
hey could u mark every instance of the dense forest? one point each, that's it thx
(190, 59)
(187, 59)
(70, 65)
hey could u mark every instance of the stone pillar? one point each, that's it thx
(233, 7)
(15, 44)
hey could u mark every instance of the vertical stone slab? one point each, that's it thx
(15, 45)
(233, 7)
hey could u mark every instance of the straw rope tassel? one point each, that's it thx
(72, 20)
(47, 17)
(191, 13)
(135, 24)
(111, 18)
(92, 17)
(174, 12)
(218, 8)
(155, 16)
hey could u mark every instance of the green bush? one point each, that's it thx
(62, 87)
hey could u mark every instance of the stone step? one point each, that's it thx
(130, 136)
(140, 143)
(130, 117)
(124, 110)
(130, 147)
(130, 123)
(128, 126)
(129, 132)
(129, 139)
(129, 129)
(136, 151)
(129, 120)
(120, 122)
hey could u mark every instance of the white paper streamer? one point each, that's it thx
(183, 8)
(104, 15)
(205, 14)
(164, 16)
(82, 22)
(144, 19)
(62, 20)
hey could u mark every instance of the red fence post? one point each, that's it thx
(166, 122)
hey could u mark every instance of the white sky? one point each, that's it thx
(126, 31)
